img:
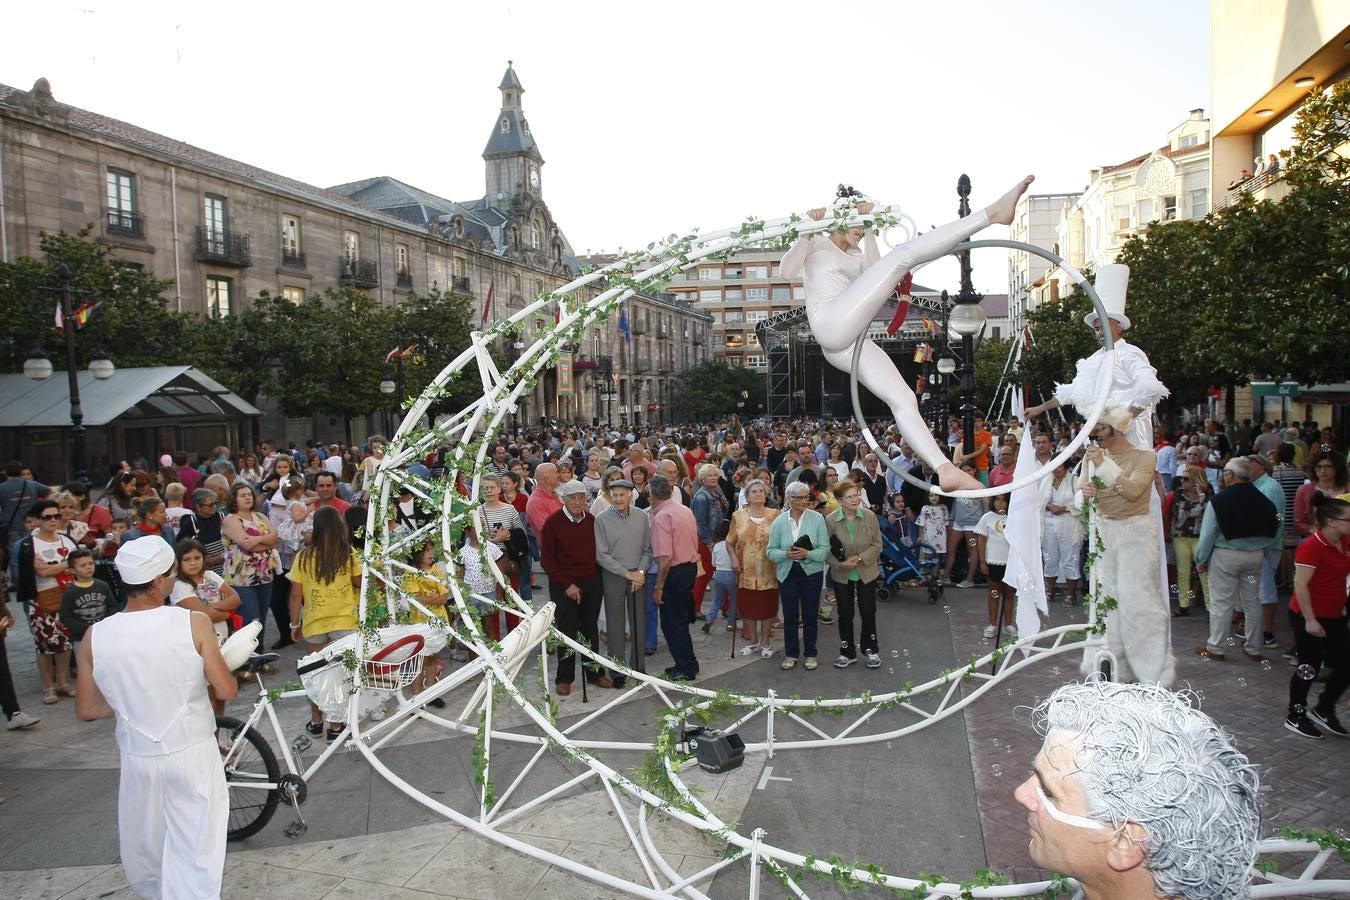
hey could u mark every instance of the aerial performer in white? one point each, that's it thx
(846, 288)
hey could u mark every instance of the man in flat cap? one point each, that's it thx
(624, 551)
(567, 552)
(149, 667)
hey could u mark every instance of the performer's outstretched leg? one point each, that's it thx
(837, 323)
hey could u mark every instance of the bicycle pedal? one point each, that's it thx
(295, 829)
(301, 744)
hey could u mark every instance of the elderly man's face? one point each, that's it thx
(1055, 845)
(620, 498)
(667, 468)
(575, 503)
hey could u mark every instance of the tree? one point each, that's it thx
(436, 326)
(1058, 339)
(990, 358)
(131, 318)
(712, 389)
(243, 351)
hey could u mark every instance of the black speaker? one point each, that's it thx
(718, 752)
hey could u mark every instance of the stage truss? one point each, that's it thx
(657, 787)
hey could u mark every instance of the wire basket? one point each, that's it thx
(390, 676)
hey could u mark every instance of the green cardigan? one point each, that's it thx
(780, 541)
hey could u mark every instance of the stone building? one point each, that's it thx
(225, 231)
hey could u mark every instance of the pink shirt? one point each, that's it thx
(997, 476)
(539, 507)
(674, 532)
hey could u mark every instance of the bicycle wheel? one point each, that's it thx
(251, 762)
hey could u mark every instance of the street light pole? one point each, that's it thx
(967, 319)
(72, 375)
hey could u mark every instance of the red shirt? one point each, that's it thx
(339, 504)
(1330, 568)
(190, 478)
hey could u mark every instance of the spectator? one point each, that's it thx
(1061, 532)
(1266, 591)
(120, 496)
(249, 470)
(189, 476)
(203, 525)
(798, 545)
(593, 478)
(86, 600)
(313, 469)
(1175, 815)
(1002, 473)
(710, 509)
(1237, 526)
(567, 549)
(670, 468)
(326, 486)
(1318, 614)
(544, 502)
(325, 585)
(966, 513)
(1272, 165)
(283, 467)
(1267, 441)
(600, 502)
(174, 510)
(95, 516)
(855, 536)
(251, 560)
(873, 482)
(1329, 478)
(150, 521)
(44, 574)
(624, 553)
(675, 548)
(724, 580)
(1187, 513)
(636, 458)
(17, 496)
(15, 717)
(641, 496)
(221, 486)
(993, 547)
(71, 525)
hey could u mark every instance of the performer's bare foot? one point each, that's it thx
(951, 478)
(1000, 212)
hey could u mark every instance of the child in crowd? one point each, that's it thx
(724, 579)
(173, 503)
(87, 600)
(201, 589)
(325, 581)
(475, 558)
(993, 563)
(428, 586)
(295, 523)
(932, 522)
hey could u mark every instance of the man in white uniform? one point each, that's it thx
(149, 667)
(846, 288)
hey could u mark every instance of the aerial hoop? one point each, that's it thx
(1103, 385)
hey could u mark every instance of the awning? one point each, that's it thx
(151, 393)
(1276, 389)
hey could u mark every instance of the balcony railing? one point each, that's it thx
(121, 221)
(359, 273)
(404, 280)
(227, 247)
(1250, 186)
(292, 259)
(460, 284)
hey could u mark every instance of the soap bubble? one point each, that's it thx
(890, 670)
(1175, 591)
(1054, 670)
(1306, 672)
(1265, 664)
(998, 770)
(895, 653)
(1299, 709)
(947, 610)
(909, 665)
(970, 542)
(1232, 642)
(1242, 682)
(905, 651)
(996, 743)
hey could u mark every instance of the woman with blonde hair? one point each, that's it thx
(756, 575)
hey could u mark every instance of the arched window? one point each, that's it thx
(506, 125)
(536, 233)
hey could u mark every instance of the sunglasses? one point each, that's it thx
(47, 518)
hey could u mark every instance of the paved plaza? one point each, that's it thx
(939, 800)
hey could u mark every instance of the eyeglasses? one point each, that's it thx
(47, 518)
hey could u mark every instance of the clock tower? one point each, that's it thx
(512, 157)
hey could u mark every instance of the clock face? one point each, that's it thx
(534, 177)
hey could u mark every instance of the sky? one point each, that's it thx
(651, 118)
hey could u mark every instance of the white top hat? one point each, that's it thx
(1111, 282)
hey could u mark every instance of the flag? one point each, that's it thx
(60, 320)
(393, 355)
(623, 327)
(922, 353)
(411, 347)
(919, 384)
(930, 326)
(487, 307)
(1025, 571)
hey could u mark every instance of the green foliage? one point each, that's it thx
(1327, 840)
(989, 359)
(713, 389)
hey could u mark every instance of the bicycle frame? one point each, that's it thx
(264, 705)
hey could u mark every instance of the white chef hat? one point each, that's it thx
(143, 560)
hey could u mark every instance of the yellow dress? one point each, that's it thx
(425, 584)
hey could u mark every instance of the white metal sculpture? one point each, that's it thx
(499, 666)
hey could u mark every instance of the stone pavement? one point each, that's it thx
(939, 800)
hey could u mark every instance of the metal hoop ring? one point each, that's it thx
(1103, 386)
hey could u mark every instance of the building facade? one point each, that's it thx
(224, 231)
(1035, 221)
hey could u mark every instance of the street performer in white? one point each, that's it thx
(1120, 476)
(846, 288)
(149, 666)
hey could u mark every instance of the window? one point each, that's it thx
(798, 292)
(1189, 140)
(401, 258)
(709, 273)
(293, 295)
(1145, 211)
(782, 292)
(506, 125)
(351, 246)
(733, 272)
(758, 315)
(536, 233)
(1169, 208)
(998, 333)
(515, 286)
(735, 294)
(757, 272)
(290, 235)
(710, 295)
(1199, 203)
(752, 338)
(217, 296)
(214, 216)
(1121, 216)
(121, 192)
(773, 270)
(734, 316)
(459, 267)
(756, 294)
(716, 317)
(754, 362)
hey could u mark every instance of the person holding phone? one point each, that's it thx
(798, 544)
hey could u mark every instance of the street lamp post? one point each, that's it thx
(966, 319)
(39, 368)
(394, 386)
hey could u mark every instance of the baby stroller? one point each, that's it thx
(904, 558)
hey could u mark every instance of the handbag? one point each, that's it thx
(837, 547)
(805, 543)
(518, 547)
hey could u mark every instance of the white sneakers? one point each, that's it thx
(21, 719)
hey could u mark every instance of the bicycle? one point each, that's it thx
(253, 775)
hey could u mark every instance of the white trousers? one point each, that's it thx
(838, 322)
(172, 814)
(1138, 630)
